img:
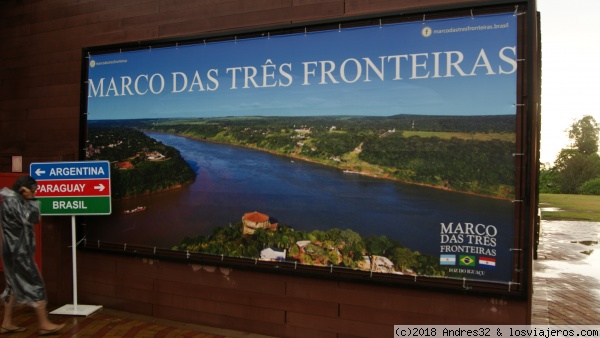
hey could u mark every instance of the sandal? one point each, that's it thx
(17, 329)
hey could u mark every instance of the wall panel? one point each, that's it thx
(87, 18)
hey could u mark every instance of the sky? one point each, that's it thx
(459, 66)
(570, 70)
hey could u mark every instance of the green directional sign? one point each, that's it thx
(75, 206)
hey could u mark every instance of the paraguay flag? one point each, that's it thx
(487, 262)
(447, 259)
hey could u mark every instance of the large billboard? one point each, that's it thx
(385, 149)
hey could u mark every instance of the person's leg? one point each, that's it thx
(8, 312)
(7, 322)
(44, 324)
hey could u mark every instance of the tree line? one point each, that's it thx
(576, 169)
(463, 165)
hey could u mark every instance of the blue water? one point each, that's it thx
(233, 180)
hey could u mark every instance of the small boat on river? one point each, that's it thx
(137, 209)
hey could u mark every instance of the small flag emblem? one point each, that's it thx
(487, 262)
(466, 260)
(447, 259)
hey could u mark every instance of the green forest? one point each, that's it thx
(133, 171)
(336, 247)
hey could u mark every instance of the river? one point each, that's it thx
(234, 180)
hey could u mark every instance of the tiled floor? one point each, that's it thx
(111, 323)
(566, 291)
(567, 274)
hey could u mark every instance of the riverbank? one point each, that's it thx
(370, 173)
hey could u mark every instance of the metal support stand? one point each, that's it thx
(75, 309)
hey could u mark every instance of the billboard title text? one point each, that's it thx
(416, 66)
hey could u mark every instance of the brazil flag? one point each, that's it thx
(466, 260)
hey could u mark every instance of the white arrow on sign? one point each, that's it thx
(99, 187)
(40, 172)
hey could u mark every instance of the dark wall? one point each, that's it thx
(277, 304)
(41, 45)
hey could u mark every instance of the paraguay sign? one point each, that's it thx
(73, 188)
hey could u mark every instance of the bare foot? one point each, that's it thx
(12, 329)
(51, 330)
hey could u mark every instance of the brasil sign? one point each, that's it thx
(73, 188)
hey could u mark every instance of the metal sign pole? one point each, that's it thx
(75, 309)
(74, 259)
(89, 195)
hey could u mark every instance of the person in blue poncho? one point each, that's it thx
(19, 212)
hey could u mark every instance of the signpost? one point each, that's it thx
(73, 188)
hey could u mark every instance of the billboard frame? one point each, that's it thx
(526, 131)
